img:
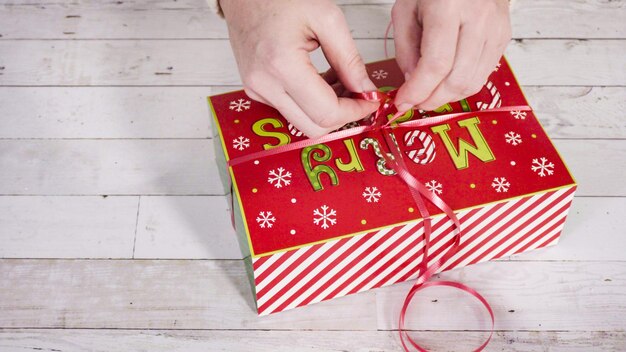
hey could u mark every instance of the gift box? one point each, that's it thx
(332, 219)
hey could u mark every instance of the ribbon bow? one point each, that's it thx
(384, 125)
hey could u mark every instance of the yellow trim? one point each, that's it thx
(540, 125)
(403, 223)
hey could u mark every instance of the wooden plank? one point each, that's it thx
(156, 295)
(210, 62)
(182, 112)
(178, 227)
(563, 296)
(580, 112)
(15, 340)
(108, 167)
(67, 227)
(590, 221)
(186, 228)
(104, 112)
(530, 19)
(198, 227)
(216, 295)
(187, 167)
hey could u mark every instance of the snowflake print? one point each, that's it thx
(500, 184)
(279, 177)
(542, 167)
(324, 217)
(434, 187)
(518, 114)
(513, 138)
(239, 105)
(497, 67)
(371, 194)
(265, 219)
(379, 74)
(241, 143)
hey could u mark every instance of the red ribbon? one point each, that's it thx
(417, 189)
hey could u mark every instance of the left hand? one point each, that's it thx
(447, 48)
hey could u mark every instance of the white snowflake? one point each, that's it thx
(279, 177)
(379, 74)
(265, 219)
(500, 184)
(497, 67)
(239, 105)
(542, 166)
(518, 114)
(513, 138)
(241, 143)
(372, 194)
(434, 187)
(324, 217)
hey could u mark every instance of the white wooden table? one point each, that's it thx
(114, 232)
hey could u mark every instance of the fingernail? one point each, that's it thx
(404, 107)
(367, 85)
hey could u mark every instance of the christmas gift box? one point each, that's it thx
(331, 217)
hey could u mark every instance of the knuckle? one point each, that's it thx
(458, 83)
(333, 15)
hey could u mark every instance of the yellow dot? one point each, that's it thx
(363, 222)
(495, 122)
(472, 185)
(254, 190)
(411, 210)
(533, 135)
(236, 121)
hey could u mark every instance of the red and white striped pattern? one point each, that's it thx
(337, 268)
(424, 155)
(496, 100)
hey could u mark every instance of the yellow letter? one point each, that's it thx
(460, 158)
(259, 129)
(355, 162)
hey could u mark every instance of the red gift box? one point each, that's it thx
(333, 219)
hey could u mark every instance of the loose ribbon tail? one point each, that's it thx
(395, 161)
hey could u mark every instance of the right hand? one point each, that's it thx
(272, 39)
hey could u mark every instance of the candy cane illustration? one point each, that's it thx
(424, 155)
(380, 164)
(294, 131)
(496, 100)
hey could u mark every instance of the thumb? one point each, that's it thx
(341, 52)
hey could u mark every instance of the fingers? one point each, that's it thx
(341, 52)
(407, 34)
(318, 100)
(439, 34)
(462, 80)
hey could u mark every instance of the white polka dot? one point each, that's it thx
(256, 162)
(293, 232)
(507, 84)
(293, 200)
(512, 163)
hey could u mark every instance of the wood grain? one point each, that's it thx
(182, 112)
(67, 227)
(186, 20)
(187, 167)
(15, 340)
(216, 295)
(211, 62)
(165, 294)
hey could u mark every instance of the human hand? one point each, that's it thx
(447, 48)
(272, 39)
